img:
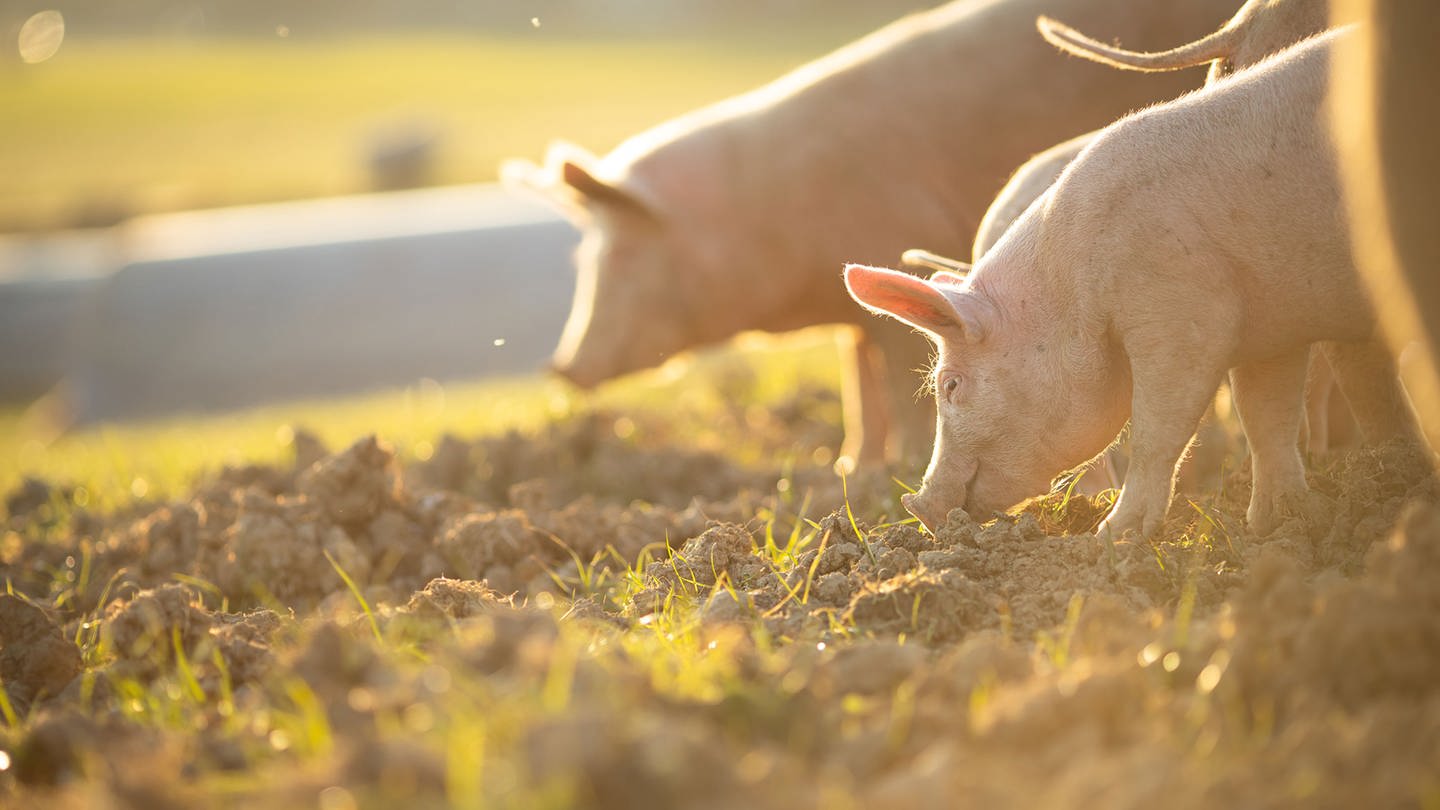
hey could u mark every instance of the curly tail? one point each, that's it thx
(1215, 46)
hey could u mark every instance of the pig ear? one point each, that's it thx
(594, 190)
(568, 180)
(946, 269)
(937, 309)
(575, 168)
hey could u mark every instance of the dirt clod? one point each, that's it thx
(352, 487)
(36, 659)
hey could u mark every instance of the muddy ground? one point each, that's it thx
(599, 615)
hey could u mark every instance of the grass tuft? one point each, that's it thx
(359, 597)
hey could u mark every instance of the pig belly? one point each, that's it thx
(1281, 320)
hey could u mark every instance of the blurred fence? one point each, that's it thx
(233, 307)
(229, 308)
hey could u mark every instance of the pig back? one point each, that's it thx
(1230, 192)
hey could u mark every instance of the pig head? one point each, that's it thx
(1015, 405)
(635, 304)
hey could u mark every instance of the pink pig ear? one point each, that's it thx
(594, 190)
(939, 309)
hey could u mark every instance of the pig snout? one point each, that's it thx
(930, 513)
(946, 487)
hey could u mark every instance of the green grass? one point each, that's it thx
(132, 126)
(115, 462)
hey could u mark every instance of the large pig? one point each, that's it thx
(1385, 114)
(1196, 237)
(734, 217)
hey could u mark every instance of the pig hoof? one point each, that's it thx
(1112, 530)
(1265, 518)
(1266, 514)
(1107, 533)
(846, 465)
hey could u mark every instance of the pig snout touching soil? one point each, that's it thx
(1195, 238)
(735, 216)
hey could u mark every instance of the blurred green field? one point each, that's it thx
(156, 460)
(112, 128)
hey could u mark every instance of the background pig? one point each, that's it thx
(735, 217)
(1029, 182)
(1385, 114)
(1195, 237)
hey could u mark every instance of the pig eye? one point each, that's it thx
(950, 386)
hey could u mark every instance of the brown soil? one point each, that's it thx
(1018, 663)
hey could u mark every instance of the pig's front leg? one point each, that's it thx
(862, 400)
(1270, 399)
(1319, 385)
(1171, 387)
(886, 418)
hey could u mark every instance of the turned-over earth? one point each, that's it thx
(1195, 237)
(737, 216)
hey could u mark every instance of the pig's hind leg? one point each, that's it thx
(1270, 399)
(1172, 383)
(1371, 385)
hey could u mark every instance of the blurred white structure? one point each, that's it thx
(233, 307)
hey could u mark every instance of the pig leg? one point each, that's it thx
(1171, 389)
(862, 400)
(1371, 385)
(1319, 383)
(1270, 399)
